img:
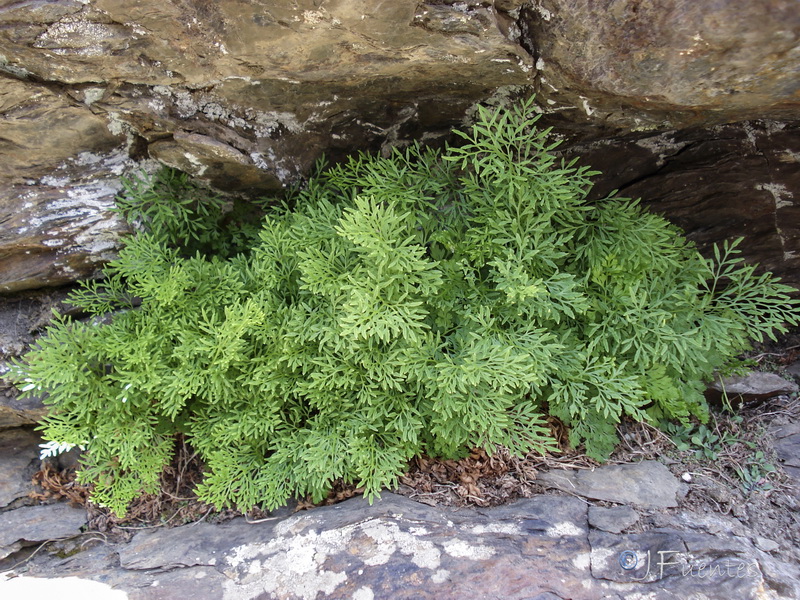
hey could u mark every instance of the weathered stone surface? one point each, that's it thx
(647, 484)
(245, 95)
(37, 524)
(614, 519)
(62, 166)
(755, 385)
(248, 96)
(663, 64)
(62, 228)
(766, 544)
(19, 460)
(535, 548)
(16, 412)
(787, 447)
(200, 545)
(721, 183)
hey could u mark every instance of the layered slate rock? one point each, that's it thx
(62, 167)
(756, 385)
(648, 484)
(248, 95)
(244, 95)
(19, 460)
(665, 64)
(541, 547)
(34, 524)
(729, 181)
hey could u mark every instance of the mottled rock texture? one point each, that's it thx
(244, 94)
(666, 64)
(724, 182)
(542, 547)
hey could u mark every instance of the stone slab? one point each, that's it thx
(537, 548)
(37, 524)
(648, 484)
(19, 460)
(614, 519)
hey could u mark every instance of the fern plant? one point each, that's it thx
(428, 302)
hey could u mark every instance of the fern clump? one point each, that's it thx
(428, 302)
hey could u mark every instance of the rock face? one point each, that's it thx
(550, 547)
(542, 547)
(666, 64)
(248, 94)
(729, 181)
(19, 460)
(648, 484)
(245, 95)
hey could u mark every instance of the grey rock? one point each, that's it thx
(627, 558)
(199, 544)
(19, 460)
(647, 484)
(615, 519)
(781, 576)
(243, 96)
(666, 64)
(16, 412)
(787, 448)
(31, 524)
(670, 172)
(794, 369)
(754, 385)
(538, 548)
(765, 544)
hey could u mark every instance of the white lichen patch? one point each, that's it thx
(389, 538)
(440, 576)
(585, 105)
(294, 560)
(508, 528)
(600, 556)
(782, 196)
(787, 156)
(51, 181)
(76, 36)
(543, 12)
(92, 95)
(582, 561)
(661, 146)
(116, 125)
(196, 163)
(288, 563)
(564, 528)
(462, 549)
(363, 593)
(87, 158)
(313, 17)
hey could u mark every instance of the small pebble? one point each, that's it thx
(687, 477)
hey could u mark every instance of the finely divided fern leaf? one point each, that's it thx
(426, 302)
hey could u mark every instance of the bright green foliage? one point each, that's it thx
(426, 302)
